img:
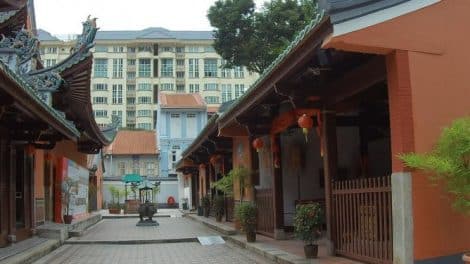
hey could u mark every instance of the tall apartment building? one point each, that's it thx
(131, 68)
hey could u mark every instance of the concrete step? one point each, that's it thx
(28, 251)
(220, 227)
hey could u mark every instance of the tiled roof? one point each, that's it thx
(44, 35)
(191, 100)
(131, 142)
(212, 109)
(148, 33)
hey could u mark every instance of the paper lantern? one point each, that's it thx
(306, 123)
(258, 144)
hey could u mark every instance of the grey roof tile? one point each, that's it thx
(44, 35)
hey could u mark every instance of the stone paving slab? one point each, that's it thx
(179, 253)
(220, 227)
(28, 250)
(126, 230)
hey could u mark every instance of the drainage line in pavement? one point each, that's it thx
(130, 242)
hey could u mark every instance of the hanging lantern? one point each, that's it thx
(277, 161)
(306, 123)
(258, 144)
(202, 166)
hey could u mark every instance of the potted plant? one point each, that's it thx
(308, 221)
(67, 185)
(219, 207)
(245, 213)
(114, 207)
(449, 161)
(206, 205)
(185, 203)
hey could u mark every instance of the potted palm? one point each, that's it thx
(449, 161)
(114, 207)
(206, 205)
(245, 213)
(307, 226)
(219, 204)
(67, 185)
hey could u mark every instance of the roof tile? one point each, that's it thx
(129, 142)
(191, 100)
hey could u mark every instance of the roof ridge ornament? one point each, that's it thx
(85, 41)
(26, 48)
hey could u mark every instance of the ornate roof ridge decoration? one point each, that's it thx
(85, 41)
(110, 131)
(6, 15)
(26, 48)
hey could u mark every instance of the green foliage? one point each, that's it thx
(116, 194)
(224, 185)
(67, 186)
(206, 201)
(449, 161)
(252, 38)
(219, 205)
(245, 213)
(308, 221)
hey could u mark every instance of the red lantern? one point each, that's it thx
(258, 144)
(202, 166)
(306, 123)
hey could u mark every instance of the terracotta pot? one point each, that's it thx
(466, 258)
(68, 219)
(115, 210)
(200, 211)
(311, 251)
(218, 218)
(250, 237)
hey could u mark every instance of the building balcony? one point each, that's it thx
(130, 107)
(131, 55)
(130, 120)
(131, 93)
(131, 68)
(180, 55)
(130, 81)
(180, 81)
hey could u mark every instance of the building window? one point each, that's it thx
(131, 87)
(190, 116)
(131, 75)
(131, 62)
(100, 100)
(144, 113)
(130, 114)
(150, 168)
(226, 92)
(122, 168)
(166, 87)
(238, 72)
(144, 87)
(226, 73)
(239, 90)
(50, 62)
(131, 100)
(180, 74)
(131, 50)
(144, 48)
(146, 126)
(210, 68)
(118, 49)
(51, 50)
(194, 88)
(155, 68)
(118, 114)
(209, 49)
(211, 87)
(167, 68)
(212, 99)
(144, 68)
(101, 113)
(193, 68)
(101, 68)
(117, 93)
(180, 88)
(117, 68)
(192, 49)
(100, 87)
(179, 62)
(166, 49)
(101, 48)
(179, 49)
(144, 100)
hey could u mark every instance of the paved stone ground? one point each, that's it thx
(174, 253)
(125, 230)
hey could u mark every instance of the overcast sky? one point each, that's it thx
(61, 17)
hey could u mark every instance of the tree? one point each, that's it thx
(245, 37)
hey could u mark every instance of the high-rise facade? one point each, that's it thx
(131, 68)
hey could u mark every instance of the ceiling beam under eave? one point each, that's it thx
(234, 129)
(356, 80)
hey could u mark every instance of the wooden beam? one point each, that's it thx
(356, 81)
(330, 165)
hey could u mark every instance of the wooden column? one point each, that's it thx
(4, 194)
(330, 161)
(277, 189)
(12, 192)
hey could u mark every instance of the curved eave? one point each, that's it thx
(13, 19)
(78, 99)
(23, 93)
(210, 127)
(309, 38)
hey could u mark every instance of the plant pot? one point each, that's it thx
(68, 219)
(311, 251)
(185, 206)
(115, 210)
(200, 211)
(206, 212)
(466, 258)
(250, 236)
